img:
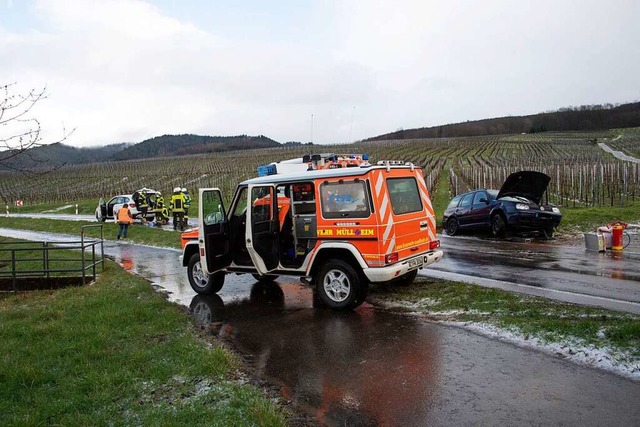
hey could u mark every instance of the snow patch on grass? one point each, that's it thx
(613, 360)
(616, 361)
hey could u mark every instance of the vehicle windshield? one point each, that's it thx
(344, 199)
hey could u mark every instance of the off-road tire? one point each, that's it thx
(339, 285)
(548, 233)
(452, 227)
(201, 282)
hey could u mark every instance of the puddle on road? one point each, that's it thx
(364, 367)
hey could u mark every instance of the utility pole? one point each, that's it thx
(312, 128)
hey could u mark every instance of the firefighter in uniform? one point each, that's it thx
(187, 204)
(160, 210)
(177, 208)
(144, 206)
(136, 200)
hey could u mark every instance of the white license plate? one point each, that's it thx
(415, 263)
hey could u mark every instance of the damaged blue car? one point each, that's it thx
(516, 208)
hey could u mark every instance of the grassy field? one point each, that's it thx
(589, 219)
(441, 196)
(85, 207)
(116, 353)
(137, 232)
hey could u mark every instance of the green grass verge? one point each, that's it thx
(85, 207)
(137, 232)
(549, 320)
(116, 353)
(589, 219)
(441, 196)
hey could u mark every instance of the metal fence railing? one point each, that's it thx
(46, 260)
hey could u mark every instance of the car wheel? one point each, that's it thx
(339, 286)
(267, 278)
(498, 226)
(452, 226)
(201, 282)
(548, 233)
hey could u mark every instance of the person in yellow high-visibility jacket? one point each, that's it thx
(177, 208)
(123, 219)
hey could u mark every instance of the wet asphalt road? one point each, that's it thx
(372, 367)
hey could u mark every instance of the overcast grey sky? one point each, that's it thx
(334, 71)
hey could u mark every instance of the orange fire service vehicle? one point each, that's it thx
(336, 221)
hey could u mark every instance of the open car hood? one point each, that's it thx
(529, 184)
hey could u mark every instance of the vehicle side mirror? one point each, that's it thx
(484, 200)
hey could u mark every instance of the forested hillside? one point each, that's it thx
(58, 154)
(177, 145)
(583, 118)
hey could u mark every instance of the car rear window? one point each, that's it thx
(345, 200)
(404, 195)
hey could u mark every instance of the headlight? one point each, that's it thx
(522, 206)
(555, 210)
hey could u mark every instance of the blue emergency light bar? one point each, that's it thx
(267, 170)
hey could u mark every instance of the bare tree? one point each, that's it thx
(20, 130)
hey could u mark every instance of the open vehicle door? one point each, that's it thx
(213, 233)
(263, 228)
(103, 208)
(110, 204)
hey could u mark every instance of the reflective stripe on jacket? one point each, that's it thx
(177, 203)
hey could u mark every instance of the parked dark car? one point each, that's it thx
(515, 208)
